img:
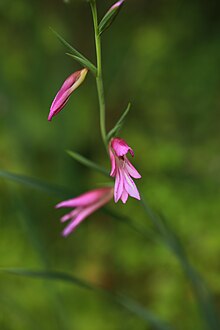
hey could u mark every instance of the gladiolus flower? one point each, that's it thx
(122, 170)
(84, 205)
(69, 85)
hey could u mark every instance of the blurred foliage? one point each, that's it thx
(163, 56)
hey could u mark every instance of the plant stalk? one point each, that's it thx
(99, 79)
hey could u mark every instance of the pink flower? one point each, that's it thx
(69, 85)
(84, 205)
(123, 170)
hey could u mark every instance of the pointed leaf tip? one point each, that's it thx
(84, 62)
(75, 53)
(114, 131)
(87, 162)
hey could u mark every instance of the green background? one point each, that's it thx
(163, 57)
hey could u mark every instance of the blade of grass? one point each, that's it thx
(144, 314)
(84, 63)
(30, 225)
(87, 162)
(129, 304)
(202, 293)
(35, 183)
(118, 125)
(148, 234)
(76, 52)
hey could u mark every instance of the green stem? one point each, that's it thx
(99, 80)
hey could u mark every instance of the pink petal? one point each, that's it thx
(124, 196)
(131, 169)
(120, 147)
(86, 212)
(118, 186)
(113, 164)
(69, 85)
(74, 223)
(130, 186)
(63, 94)
(85, 199)
(70, 81)
(71, 214)
(58, 104)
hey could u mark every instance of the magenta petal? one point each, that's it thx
(74, 223)
(69, 85)
(113, 163)
(77, 220)
(84, 199)
(71, 214)
(131, 169)
(84, 213)
(120, 147)
(124, 196)
(118, 186)
(130, 186)
(58, 104)
(63, 95)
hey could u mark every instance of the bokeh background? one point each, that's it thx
(163, 56)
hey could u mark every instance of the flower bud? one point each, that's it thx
(110, 16)
(69, 85)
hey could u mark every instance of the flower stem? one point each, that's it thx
(99, 80)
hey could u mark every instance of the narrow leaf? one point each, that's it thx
(84, 62)
(110, 16)
(129, 304)
(75, 52)
(114, 131)
(48, 275)
(35, 183)
(144, 314)
(87, 162)
(148, 234)
(202, 293)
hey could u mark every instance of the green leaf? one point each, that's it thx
(142, 313)
(147, 233)
(201, 291)
(114, 131)
(87, 162)
(84, 62)
(110, 16)
(129, 304)
(47, 275)
(35, 183)
(76, 53)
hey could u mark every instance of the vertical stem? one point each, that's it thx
(99, 80)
